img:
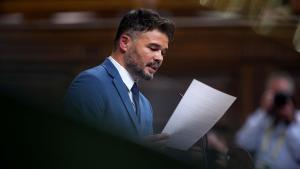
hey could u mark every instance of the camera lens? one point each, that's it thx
(280, 99)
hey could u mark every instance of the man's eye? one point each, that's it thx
(154, 48)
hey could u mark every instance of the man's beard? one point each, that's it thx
(134, 68)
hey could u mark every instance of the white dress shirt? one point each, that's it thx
(125, 76)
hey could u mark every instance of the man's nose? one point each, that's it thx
(158, 56)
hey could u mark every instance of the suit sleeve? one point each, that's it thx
(84, 100)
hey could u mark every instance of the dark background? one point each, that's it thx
(40, 55)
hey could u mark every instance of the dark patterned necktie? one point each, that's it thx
(135, 95)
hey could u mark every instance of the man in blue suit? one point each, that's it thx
(106, 96)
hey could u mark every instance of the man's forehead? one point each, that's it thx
(155, 37)
(280, 84)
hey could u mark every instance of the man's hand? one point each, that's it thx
(267, 100)
(156, 141)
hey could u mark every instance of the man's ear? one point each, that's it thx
(124, 42)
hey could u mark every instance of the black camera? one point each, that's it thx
(281, 98)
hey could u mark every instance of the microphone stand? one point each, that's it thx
(204, 148)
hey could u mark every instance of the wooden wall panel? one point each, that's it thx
(42, 62)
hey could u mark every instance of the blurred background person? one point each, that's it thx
(271, 133)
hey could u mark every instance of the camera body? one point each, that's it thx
(283, 107)
(281, 98)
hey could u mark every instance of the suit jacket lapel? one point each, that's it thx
(123, 92)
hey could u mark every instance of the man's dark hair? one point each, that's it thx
(143, 20)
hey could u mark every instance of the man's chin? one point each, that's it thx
(148, 76)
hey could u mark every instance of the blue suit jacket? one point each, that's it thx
(99, 97)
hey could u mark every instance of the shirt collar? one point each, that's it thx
(125, 75)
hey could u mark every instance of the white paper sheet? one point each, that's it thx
(197, 112)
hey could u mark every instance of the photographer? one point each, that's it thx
(272, 132)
